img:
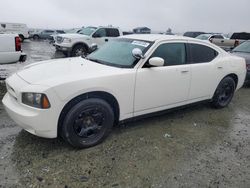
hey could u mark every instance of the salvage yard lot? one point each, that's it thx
(193, 147)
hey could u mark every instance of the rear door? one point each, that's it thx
(202, 59)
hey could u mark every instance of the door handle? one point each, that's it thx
(184, 71)
(106, 40)
(220, 67)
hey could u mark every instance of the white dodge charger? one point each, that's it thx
(82, 98)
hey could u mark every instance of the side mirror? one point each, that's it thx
(156, 62)
(137, 53)
(93, 47)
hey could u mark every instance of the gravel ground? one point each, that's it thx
(193, 147)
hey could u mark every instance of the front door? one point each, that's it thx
(160, 88)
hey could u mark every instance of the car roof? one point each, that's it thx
(155, 37)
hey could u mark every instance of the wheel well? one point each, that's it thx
(80, 43)
(110, 99)
(235, 78)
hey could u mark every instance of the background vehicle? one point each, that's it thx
(78, 44)
(10, 49)
(235, 40)
(46, 34)
(209, 37)
(82, 98)
(193, 34)
(15, 28)
(243, 50)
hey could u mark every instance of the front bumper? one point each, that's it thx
(40, 122)
(62, 48)
(32, 121)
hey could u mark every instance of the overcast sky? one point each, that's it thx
(180, 15)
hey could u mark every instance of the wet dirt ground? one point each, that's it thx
(193, 147)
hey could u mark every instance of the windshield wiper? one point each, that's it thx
(95, 60)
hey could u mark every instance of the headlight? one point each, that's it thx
(37, 100)
(66, 40)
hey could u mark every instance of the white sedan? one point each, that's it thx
(82, 98)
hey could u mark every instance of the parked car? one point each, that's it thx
(82, 98)
(10, 49)
(142, 30)
(209, 37)
(193, 34)
(77, 44)
(46, 34)
(235, 40)
(243, 50)
(15, 28)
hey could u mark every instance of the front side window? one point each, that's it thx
(201, 54)
(100, 33)
(172, 53)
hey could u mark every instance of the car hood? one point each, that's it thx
(246, 56)
(52, 72)
(73, 35)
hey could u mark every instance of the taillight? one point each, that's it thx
(236, 43)
(18, 43)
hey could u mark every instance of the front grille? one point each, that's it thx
(59, 39)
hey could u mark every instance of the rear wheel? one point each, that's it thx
(79, 50)
(35, 37)
(224, 93)
(88, 123)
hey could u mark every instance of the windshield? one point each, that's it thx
(244, 47)
(118, 52)
(87, 31)
(203, 37)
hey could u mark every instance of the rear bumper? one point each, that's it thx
(248, 76)
(23, 57)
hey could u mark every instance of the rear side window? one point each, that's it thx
(172, 53)
(201, 54)
(112, 32)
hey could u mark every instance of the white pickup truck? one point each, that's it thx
(77, 44)
(10, 49)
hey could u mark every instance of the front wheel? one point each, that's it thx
(224, 93)
(88, 123)
(79, 50)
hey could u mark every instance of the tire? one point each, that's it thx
(79, 50)
(66, 54)
(224, 93)
(87, 123)
(35, 37)
(21, 38)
